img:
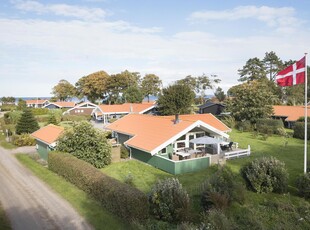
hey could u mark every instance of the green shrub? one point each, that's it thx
(299, 130)
(217, 220)
(124, 152)
(266, 174)
(40, 111)
(269, 126)
(303, 185)
(12, 117)
(221, 189)
(229, 121)
(152, 224)
(23, 140)
(8, 107)
(123, 200)
(27, 123)
(76, 118)
(169, 201)
(244, 126)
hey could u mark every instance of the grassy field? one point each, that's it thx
(86, 206)
(4, 222)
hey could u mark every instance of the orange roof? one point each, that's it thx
(48, 134)
(126, 108)
(35, 101)
(150, 132)
(66, 104)
(291, 112)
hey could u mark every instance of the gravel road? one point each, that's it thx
(30, 203)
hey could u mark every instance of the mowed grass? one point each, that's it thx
(93, 212)
(4, 221)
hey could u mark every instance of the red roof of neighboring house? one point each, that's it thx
(48, 134)
(150, 132)
(35, 102)
(126, 108)
(63, 104)
(291, 112)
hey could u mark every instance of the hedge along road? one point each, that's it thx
(31, 204)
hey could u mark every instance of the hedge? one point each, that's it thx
(299, 130)
(269, 126)
(121, 199)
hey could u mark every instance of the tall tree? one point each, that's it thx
(86, 143)
(219, 94)
(118, 83)
(254, 69)
(273, 64)
(176, 99)
(151, 85)
(27, 123)
(64, 90)
(93, 86)
(133, 95)
(8, 100)
(251, 101)
(21, 104)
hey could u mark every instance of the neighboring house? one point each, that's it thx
(289, 114)
(106, 112)
(60, 105)
(210, 107)
(160, 140)
(36, 103)
(46, 138)
(85, 108)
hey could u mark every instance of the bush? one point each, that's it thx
(229, 121)
(266, 174)
(124, 152)
(40, 111)
(269, 126)
(169, 201)
(77, 118)
(23, 140)
(221, 189)
(244, 126)
(299, 130)
(303, 185)
(217, 220)
(123, 200)
(12, 117)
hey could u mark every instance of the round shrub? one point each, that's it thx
(266, 174)
(216, 219)
(124, 152)
(221, 189)
(23, 140)
(169, 201)
(244, 126)
(299, 130)
(269, 126)
(303, 185)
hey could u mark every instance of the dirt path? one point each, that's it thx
(31, 204)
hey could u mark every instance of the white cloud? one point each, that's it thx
(66, 10)
(273, 17)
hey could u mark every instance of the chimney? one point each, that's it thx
(176, 120)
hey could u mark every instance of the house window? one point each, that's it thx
(200, 134)
(181, 138)
(180, 145)
(163, 151)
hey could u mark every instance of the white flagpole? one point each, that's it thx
(306, 114)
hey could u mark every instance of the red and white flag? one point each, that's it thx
(293, 74)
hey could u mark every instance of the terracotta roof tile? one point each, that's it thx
(151, 131)
(35, 101)
(48, 134)
(291, 112)
(126, 108)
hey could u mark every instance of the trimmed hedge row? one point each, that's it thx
(299, 130)
(119, 198)
(269, 126)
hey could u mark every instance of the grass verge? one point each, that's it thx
(86, 206)
(4, 221)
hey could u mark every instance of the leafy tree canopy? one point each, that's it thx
(86, 143)
(219, 94)
(176, 99)
(64, 90)
(151, 85)
(93, 86)
(8, 100)
(133, 95)
(21, 104)
(254, 69)
(251, 101)
(27, 123)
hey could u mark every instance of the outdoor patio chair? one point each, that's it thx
(230, 145)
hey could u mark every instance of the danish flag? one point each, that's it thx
(292, 75)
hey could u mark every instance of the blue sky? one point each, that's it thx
(43, 42)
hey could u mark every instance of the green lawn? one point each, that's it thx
(86, 206)
(4, 222)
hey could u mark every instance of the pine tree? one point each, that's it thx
(27, 123)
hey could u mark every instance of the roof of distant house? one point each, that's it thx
(292, 113)
(62, 104)
(152, 133)
(28, 102)
(126, 108)
(208, 104)
(48, 134)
